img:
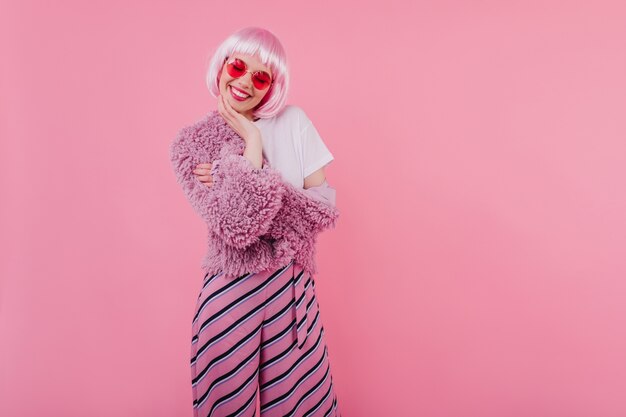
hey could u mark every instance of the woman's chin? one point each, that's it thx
(234, 103)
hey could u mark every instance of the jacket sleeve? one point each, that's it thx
(319, 209)
(242, 201)
(306, 212)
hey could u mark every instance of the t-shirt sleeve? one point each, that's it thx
(314, 151)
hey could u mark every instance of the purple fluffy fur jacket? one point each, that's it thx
(255, 219)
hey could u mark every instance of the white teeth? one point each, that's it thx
(237, 93)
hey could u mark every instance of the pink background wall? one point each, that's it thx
(477, 269)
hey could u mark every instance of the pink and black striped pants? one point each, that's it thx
(260, 333)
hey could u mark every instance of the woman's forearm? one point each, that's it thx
(254, 151)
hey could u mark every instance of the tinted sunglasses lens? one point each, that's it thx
(236, 68)
(261, 80)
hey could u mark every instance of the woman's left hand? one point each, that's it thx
(240, 123)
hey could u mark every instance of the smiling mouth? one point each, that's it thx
(238, 94)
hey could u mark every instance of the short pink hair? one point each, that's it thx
(264, 45)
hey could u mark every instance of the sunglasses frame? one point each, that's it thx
(246, 70)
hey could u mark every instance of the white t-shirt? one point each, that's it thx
(292, 145)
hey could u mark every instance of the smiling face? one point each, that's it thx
(249, 96)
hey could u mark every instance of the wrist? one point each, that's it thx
(254, 153)
(254, 139)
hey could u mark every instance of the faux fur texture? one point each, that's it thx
(255, 219)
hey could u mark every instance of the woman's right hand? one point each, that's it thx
(203, 172)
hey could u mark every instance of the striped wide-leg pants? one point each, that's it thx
(260, 333)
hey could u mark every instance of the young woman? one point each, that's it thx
(254, 171)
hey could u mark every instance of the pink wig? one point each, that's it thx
(264, 45)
